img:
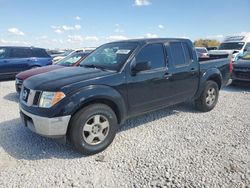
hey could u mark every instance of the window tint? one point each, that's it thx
(3, 53)
(180, 53)
(186, 52)
(153, 53)
(21, 53)
(39, 53)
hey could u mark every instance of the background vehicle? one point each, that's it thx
(58, 58)
(72, 60)
(241, 69)
(202, 52)
(118, 81)
(233, 45)
(212, 48)
(16, 59)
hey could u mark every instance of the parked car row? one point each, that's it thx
(117, 81)
(71, 60)
(16, 59)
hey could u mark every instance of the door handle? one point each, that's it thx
(168, 75)
(193, 71)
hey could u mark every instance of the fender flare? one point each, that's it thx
(97, 94)
(211, 74)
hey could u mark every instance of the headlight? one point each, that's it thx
(49, 99)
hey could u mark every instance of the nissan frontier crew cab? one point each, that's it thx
(117, 81)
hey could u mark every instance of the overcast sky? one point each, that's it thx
(83, 23)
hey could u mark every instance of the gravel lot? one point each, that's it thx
(173, 147)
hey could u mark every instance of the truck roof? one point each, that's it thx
(237, 38)
(151, 40)
(31, 47)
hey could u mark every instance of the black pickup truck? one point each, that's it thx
(117, 81)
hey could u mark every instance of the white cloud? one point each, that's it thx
(118, 29)
(67, 28)
(78, 27)
(117, 37)
(215, 37)
(160, 26)
(80, 39)
(151, 35)
(77, 18)
(59, 31)
(142, 3)
(92, 38)
(15, 31)
(14, 42)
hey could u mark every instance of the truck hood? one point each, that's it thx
(242, 64)
(57, 79)
(26, 74)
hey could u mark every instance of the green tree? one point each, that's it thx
(206, 43)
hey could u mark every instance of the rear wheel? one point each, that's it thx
(208, 98)
(93, 128)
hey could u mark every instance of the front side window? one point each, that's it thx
(110, 56)
(3, 53)
(152, 53)
(20, 53)
(231, 46)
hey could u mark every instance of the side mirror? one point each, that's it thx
(141, 66)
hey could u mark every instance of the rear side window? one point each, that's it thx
(39, 53)
(153, 53)
(20, 53)
(180, 53)
(3, 53)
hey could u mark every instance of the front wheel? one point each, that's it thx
(208, 98)
(93, 128)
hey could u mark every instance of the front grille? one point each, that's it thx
(30, 97)
(245, 69)
(243, 75)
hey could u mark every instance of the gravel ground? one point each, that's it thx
(173, 147)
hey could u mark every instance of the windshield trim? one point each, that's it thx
(243, 43)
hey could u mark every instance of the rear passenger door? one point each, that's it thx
(20, 59)
(184, 70)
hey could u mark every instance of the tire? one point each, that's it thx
(90, 125)
(208, 98)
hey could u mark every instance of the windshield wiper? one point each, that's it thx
(94, 67)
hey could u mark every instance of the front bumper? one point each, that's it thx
(241, 75)
(48, 127)
(18, 84)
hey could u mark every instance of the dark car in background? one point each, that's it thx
(69, 61)
(241, 69)
(17, 59)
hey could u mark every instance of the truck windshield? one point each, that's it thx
(231, 46)
(109, 56)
